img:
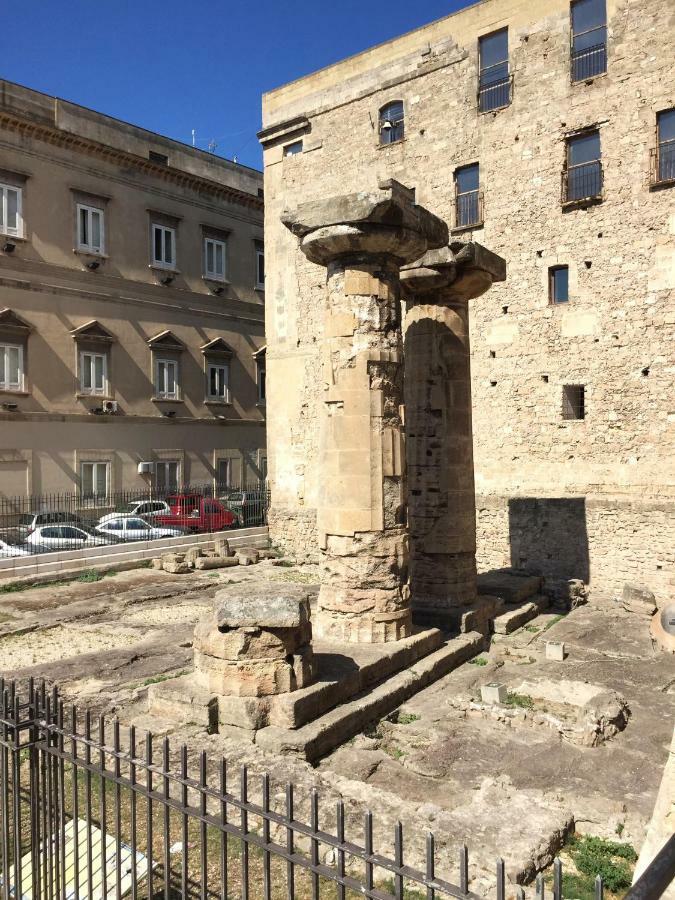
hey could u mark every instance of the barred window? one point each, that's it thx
(574, 401)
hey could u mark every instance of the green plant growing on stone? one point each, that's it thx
(478, 661)
(90, 575)
(519, 701)
(619, 828)
(595, 856)
(399, 718)
(554, 621)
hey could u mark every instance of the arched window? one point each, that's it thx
(392, 122)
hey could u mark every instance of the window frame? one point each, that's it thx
(93, 391)
(162, 263)
(89, 210)
(295, 148)
(658, 165)
(216, 242)
(218, 364)
(261, 380)
(479, 221)
(574, 407)
(492, 86)
(396, 133)
(5, 230)
(166, 361)
(94, 494)
(164, 465)
(6, 386)
(553, 270)
(599, 196)
(259, 255)
(576, 34)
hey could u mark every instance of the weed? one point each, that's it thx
(553, 621)
(533, 629)
(91, 575)
(167, 677)
(522, 701)
(479, 661)
(408, 893)
(399, 718)
(619, 828)
(595, 856)
(581, 887)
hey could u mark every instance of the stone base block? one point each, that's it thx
(255, 677)
(521, 615)
(362, 628)
(185, 701)
(475, 616)
(511, 586)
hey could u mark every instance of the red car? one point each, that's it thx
(194, 513)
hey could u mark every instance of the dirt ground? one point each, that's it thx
(507, 786)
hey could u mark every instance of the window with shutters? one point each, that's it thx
(11, 367)
(11, 201)
(215, 259)
(166, 379)
(90, 229)
(218, 381)
(93, 373)
(94, 478)
(163, 246)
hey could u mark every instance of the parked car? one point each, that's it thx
(250, 507)
(13, 543)
(69, 536)
(30, 521)
(148, 509)
(194, 513)
(133, 528)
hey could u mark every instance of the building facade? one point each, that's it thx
(545, 131)
(131, 306)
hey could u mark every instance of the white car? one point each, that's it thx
(133, 528)
(65, 537)
(11, 545)
(148, 509)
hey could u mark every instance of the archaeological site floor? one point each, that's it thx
(510, 780)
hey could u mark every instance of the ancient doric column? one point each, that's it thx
(442, 504)
(363, 239)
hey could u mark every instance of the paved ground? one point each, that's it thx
(509, 789)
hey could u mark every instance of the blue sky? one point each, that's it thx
(173, 66)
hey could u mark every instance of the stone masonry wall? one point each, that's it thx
(615, 336)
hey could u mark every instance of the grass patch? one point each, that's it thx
(158, 679)
(554, 621)
(90, 575)
(533, 629)
(398, 718)
(478, 661)
(408, 893)
(520, 701)
(612, 860)
(619, 828)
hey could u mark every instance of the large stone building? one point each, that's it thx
(131, 306)
(544, 131)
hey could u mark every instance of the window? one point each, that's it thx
(89, 228)
(392, 122)
(166, 476)
(11, 221)
(664, 170)
(589, 39)
(214, 258)
(163, 246)
(260, 267)
(93, 373)
(11, 367)
(583, 177)
(468, 205)
(94, 479)
(166, 379)
(558, 284)
(494, 82)
(261, 378)
(223, 473)
(574, 401)
(293, 149)
(218, 382)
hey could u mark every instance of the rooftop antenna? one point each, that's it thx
(212, 145)
(194, 138)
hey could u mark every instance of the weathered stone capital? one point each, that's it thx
(386, 223)
(456, 273)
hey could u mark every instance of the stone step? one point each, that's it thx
(318, 738)
(518, 616)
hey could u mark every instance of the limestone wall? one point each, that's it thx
(615, 335)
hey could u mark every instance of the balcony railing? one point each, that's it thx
(469, 209)
(494, 94)
(582, 183)
(662, 163)
(589, 62)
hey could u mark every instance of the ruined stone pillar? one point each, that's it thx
(362, 240)
(442, 503)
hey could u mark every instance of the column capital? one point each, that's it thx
(386, 222)
(455, 273)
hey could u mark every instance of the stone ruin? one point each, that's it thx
(396, 408)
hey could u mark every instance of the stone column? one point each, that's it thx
(442, 503)
(362, 240)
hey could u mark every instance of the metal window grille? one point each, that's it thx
(495, 90)
(589, 62)
(468, 209)
(662, 163)
(574, 401)
(583, 182)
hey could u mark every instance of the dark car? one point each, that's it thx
(250, 507)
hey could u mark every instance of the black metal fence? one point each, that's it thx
(589, 62)
(86, 812)
(71, 521)
(494, 93)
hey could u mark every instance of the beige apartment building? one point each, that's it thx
(131, 306)
(545, 131)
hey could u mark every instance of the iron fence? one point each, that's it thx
(86, 812)
(582, 183)
(72, 521)
(469, 209)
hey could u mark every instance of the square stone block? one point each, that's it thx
(493, 692)
(555, 650)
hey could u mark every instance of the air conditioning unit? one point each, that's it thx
(109, 406)
(146, 468)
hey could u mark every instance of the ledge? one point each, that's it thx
(167, 400)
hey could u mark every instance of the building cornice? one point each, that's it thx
(178, 177)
